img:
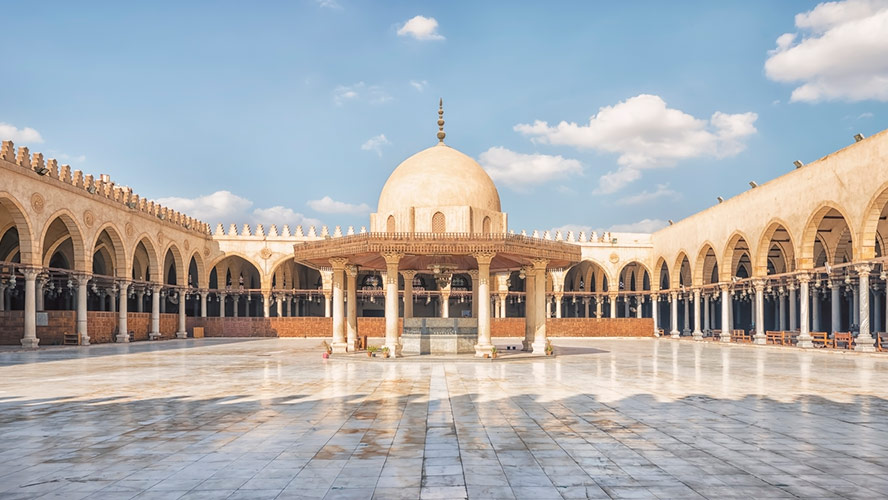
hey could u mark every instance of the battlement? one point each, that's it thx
(284, 233)
(101, 187)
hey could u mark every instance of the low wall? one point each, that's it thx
(101, 326)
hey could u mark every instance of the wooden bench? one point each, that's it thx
(791, 337)
(820, 339)
(740, 336)
(881, 341)
(844, 338)
(774, 337)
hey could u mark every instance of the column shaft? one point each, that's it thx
(698, 332)
(804, 339)
(760, 337)
(122, 327)
(674, 316)
(351, 273)
(725, 310)
(29, 337)
(82, 331)
(484, 340)
(864, 341)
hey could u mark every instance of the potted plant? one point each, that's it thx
(549, 350)
(371, 350)
(385, 351)
(493, 352)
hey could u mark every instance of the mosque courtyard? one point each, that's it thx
(605, 418)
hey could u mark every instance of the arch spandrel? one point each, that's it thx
(809, 236)
(866, 244)
(122, 264)
(28, 253)
(701, 265)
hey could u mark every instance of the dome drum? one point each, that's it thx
(444, 219)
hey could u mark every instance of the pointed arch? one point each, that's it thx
(172, 258)
(202, 279)
(120, 263)
(825, 211)
(75, 232)
(145, 245)
(704, 265)
(735, 249)
(661, 268)
(635, 281)
(19, 219)
(869, 230)
(776, 233)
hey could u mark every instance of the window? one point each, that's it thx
(438, 223)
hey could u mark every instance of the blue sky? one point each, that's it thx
(275, 112)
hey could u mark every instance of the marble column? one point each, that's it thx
(140, 300)
(639, 302)
(793, 324)
(539, 337)
(835, 305)
(222, 297)
(687, 317)
(804, 339)
(626, 306)
(82, 297)
(2, 297)
(484, 344)
(759, 337)
(155, 312)
(474, 275)
(502, 303)
(781, 311)
(864, 341)
(203, 303)
(725, 335)
(612, 300)
(529, 308)
(339, 344)
(445, 300)
(598, 300)
(39, 295)
(181, 333)
(855, 305)
(548, 307)
(815, 309)
(877, 313)
(266, 304)
(392, 340)
(327, 309)
(586, 307)
(235, 305)
(698, 332)
(655, 313)
(351, 310)
(673, 297)
(29, 338)
(558, 300)
(122, 328)
(408, 292)
(707, 324)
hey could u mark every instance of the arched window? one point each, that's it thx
(390, 224)
(438, 224)
(485, 226)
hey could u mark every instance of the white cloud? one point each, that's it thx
(328, 205)
(421, 28)
(360, 91)
(419, 85)
(866, 114)
(329, 4)
(662, 191)
(11, 133)
(840, 52)
(642, 226)
(647, 134)
(519, 170)
(375, 144)
(226, 207)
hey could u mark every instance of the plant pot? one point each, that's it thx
(486, 356)
(493, 355)
(369, 354)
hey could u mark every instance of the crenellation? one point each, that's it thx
(65, 175)
(220, 230)
(363, 229)
(37, 162)
(558, 236)
(7, 151)
(337, 232)
(286, 232)
(570, 237)
(273, 230)
(324, 232)
(311, 232)
(245, 231)
(53, 167)
(23, 160)
(90, 184)
(351, 231)
(260, 231)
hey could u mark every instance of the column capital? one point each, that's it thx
(30, 273)
(408, 274)
(338, 263)
(802, 277)
(473, 273)
(759, 285)
(351, 270)
(392, 258)
(484, 258)
(539, 264)
(864, 269)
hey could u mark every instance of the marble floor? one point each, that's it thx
(606, 418)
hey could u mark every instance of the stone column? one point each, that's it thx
(760, 337)
(266, 304)
(626, 306)
(235, 305)
(815, 309)
(673, 298)
(279, 305)
(548, 307)
(598, 300)
(687, 316)
(408, 293)
(707, 324)
(155, 311)
(655, 313)
(328, 312)
(351, 310)
(612, 299)
(835, 304)
(474, 275)
(82, 294)
(222, 297)
(182, 333)
(586, 307)
(2, 297)
(29, 338)
(39, 296)
(122, 328)
(698, 333)
(804, 339)
(559, 296)
(485, 343)
(792, 307)
(503, 302)
(339, 345)
(203, 303)
(781, 311)
(725, 335)
(877, 313)
(445, 300)
(529, 308)
(391, 303)
(539, 337)
(855, 305)
(864, 341)
(140, 300)
(639, 302)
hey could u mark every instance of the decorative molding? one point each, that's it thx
(37, 202)
(89, 218)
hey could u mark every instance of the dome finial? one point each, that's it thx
(441, 133)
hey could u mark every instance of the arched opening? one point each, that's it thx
(685, 305)
(107, 263)
(15, 239)
(588, 283)
(634, 277)
(485, 226)
(706, 274)
(828, 241)
(238, 281)
(738, 266)
(62, 250)
(438, 223)
(390, 224)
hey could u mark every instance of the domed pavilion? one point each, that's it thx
(439, 212)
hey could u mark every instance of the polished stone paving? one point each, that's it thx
(606, 418)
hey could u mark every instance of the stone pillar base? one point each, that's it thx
(698, 335)
(394, 350)
(155, 336)
(122, 337)
(805, 341)
(482, 349)
(539, 348)
(675, 334)
(84, 340)
(30, 343)
(350, 346)
(864, 344)
(339, 347)
(759, 340)
(181, 335)
(724, 336)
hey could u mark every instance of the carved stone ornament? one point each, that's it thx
(265, 253)
(614, 258)
(187, 245)
(160, 238)
(206, 252)
(89, 218)
(130, 230)
(37, 202)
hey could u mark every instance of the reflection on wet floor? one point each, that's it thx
(608, 418)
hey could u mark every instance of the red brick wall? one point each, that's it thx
(12, 327)
(101, 326)
(600, 327)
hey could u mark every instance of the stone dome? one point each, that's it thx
(439, 176)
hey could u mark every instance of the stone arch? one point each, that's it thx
(117, 251)
(144, 242)
(285, 267)
(639, 273)
(705, 264)
(201, 280)
(869, 230)
(736, 247)
(776, 228)
(439, 223)
(74, 232)
(238, 259)
(172, 251)
(683, 266)
(485, 226)
(660, 268)
(591, 274)
(812, 227)
(390, 224)
(18, 218)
